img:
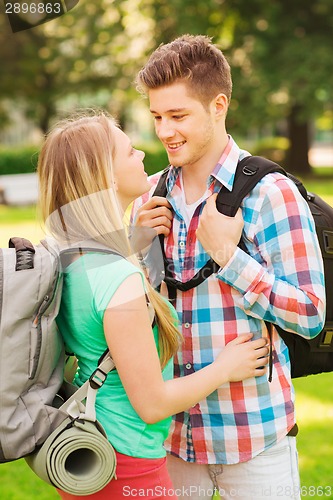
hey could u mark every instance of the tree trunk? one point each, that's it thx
(47, 112)
(299, 136)
(47, 107)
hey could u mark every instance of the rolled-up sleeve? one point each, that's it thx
(281, 278)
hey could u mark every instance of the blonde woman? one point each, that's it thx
(89, 173)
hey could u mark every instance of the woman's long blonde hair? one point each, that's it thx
(78, 201)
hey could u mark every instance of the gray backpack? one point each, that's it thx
(32, 351)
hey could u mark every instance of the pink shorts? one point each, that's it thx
(136, 477)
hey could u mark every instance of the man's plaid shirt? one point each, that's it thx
(280, 281)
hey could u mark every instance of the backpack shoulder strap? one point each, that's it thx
(249, 172)
(161, 189)
(88, 391)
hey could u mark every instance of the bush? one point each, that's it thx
(156, 158)
(21, 160)
(273, 148)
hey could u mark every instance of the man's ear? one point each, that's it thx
(220, 103)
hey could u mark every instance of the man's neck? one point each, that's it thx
(195, 175)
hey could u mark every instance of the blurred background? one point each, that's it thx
(282, 107)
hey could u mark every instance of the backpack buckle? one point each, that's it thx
(328, 241)
(97, 378)
(326, 340)
(249, 170)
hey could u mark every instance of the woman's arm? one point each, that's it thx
(129, 336)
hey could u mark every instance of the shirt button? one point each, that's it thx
(188, 366)
(181, 243)
(187, 325)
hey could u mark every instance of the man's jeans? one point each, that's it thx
(273, 474)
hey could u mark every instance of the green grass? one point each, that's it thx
(17, 215)
(19, 221)
(321, 183)
(314, 395)
(314, 407)
(325, 188)
(18, 482)
(314, 410)
(322, 172)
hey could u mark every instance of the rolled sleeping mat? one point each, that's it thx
(76, 458)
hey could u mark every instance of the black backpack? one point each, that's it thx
(307, 357)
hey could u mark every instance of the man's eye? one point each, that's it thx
(178, 117)
(157, 118)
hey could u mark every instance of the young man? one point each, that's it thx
(240, 439)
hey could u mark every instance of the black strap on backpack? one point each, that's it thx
(248, 173)
(303, 352)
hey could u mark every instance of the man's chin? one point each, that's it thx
(175, 160)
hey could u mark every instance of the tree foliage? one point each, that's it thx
(281, 56)
(287, 54)
(95, 46)
(280, 53)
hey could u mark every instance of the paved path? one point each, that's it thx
(322, 155)
(20, 189)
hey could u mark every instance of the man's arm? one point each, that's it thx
(282, 281)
